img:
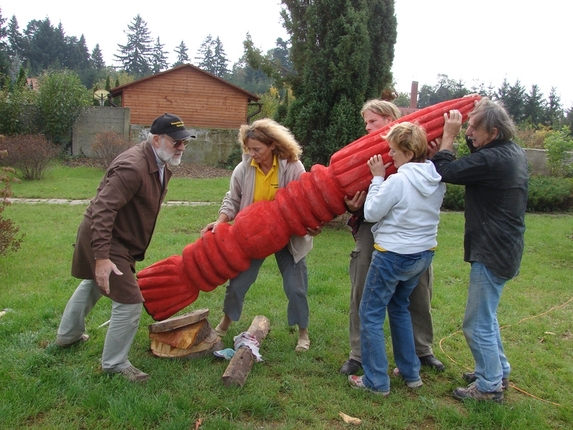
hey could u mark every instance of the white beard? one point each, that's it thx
(164, 155)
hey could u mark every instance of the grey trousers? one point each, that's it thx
(121, 331)
(295, 285)
(420, 299)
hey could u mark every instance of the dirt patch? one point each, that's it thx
(188, 170)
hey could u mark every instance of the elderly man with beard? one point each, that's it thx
(115, 233)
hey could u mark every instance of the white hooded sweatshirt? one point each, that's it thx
(406, 208)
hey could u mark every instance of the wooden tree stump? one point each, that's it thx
(185, 336)
(242, 362)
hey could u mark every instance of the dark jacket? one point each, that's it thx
(496, 178)
(119, 221)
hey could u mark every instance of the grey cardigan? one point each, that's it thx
(241, 191)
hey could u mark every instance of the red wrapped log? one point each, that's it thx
(265, 227)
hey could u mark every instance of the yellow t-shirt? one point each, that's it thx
(266, 186)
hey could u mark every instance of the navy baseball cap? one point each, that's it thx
(172, 126)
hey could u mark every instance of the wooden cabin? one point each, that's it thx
(201, 99)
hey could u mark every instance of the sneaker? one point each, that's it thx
(470, 377)
(83, 338)
(414, 384)
(133, 374)
(356, 382)
(433, 362)
(409, 384)
(471, 392)
(351, 367)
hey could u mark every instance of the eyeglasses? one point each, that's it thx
(179, 143)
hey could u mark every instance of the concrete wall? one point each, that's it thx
(537, 161)
(95, 120)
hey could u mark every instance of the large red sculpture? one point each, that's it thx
(265, 227)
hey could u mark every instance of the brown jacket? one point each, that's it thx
(119, 221)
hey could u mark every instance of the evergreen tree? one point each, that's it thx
(206, 55)
(15, 48)
(97, 58)
(332, 50)
(77, 54)
(212, 58)
(4, 56)
(554, 111)
(182, 55)
(159, 58)
(513, 98)
(136, 56)
(45, 46)
(15, 38)
(382, 32)
(533, 109)
(220, 60)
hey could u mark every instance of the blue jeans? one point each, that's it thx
(482, 330)
(390, 280)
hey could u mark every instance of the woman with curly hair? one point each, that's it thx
(270, 161)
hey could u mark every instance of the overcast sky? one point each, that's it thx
(484, 41)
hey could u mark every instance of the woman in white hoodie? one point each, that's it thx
(406, 210)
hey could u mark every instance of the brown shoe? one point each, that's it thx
(133, 374)
(471, 392)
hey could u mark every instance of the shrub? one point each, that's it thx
(61, 98)
(30, 154)
(528, 137)
(107, 146)
(8, 229)
(559, 146)
(454, 200)
(549, 194)
(546, 194)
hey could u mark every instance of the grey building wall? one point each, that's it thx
(95, 120)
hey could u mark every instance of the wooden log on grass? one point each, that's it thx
(185, 336)
(242, 362)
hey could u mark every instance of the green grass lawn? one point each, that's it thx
(45, 387)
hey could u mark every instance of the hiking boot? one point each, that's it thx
(470, 377)
(471, 392)
(133, 374)
(356, 382)
(433, 362)
(351, 367)
(83, 338)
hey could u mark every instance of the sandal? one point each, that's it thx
(303, 345)
(220, 332)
